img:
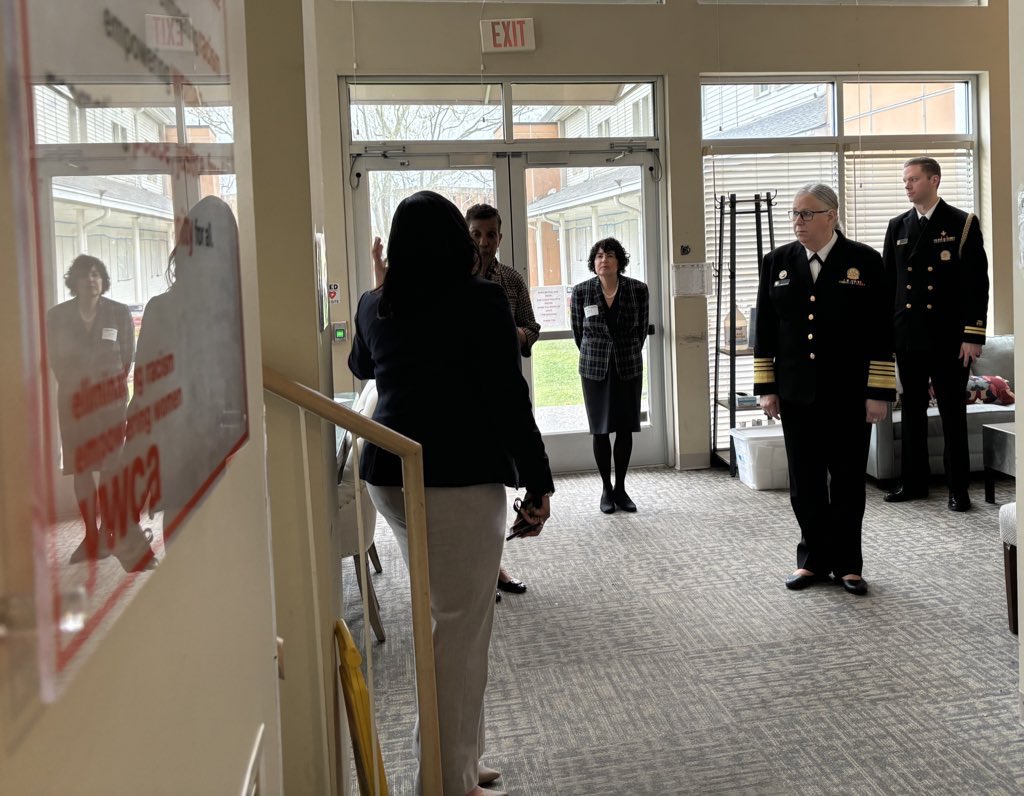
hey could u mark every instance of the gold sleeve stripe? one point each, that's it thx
(882, 382)
(764, 370)
(974, 330)
(882, 374)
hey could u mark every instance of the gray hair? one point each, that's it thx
(824, 194)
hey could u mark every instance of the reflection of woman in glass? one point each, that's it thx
(91, 342)
(609, 322)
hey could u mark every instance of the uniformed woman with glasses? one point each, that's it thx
(824, 364)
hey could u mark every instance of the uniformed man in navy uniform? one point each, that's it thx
(937, 256)
(823, 361)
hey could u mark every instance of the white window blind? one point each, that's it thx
(874, 188)
(781, 173)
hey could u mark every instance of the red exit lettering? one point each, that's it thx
(508, 33)
(169, 32)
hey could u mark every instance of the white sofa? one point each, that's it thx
(1008, 536)
(345, 518)
(884, 454)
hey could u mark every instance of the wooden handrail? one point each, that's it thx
(411, 453)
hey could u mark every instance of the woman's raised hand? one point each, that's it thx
(380, 265)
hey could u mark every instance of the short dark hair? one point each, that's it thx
(80, 267)
(608, 245)
(482, 212)
(930, 166)
(429, 250)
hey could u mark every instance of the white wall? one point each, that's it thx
(1016, 35)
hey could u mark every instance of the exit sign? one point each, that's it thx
(507, 35)
(169, 33)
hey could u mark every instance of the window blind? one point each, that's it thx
(781, 173)
(874, 188)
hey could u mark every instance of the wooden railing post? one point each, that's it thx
(411, 453)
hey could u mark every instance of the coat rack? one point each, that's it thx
(760, 207)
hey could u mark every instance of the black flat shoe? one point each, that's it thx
(497, 596)
(858, 586)
(902, 495)
(959, 501)
(607, 503)
(512, 586)
(797, 582)
(623, 502)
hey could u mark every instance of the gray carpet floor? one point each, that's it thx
(659, 652)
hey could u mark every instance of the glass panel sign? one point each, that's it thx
(131, 273)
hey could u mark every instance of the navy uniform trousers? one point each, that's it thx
(949, 380)
(827, 449)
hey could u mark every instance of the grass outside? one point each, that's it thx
(556, 377)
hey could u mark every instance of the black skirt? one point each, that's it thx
(613, 405)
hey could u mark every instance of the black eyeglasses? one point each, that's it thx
(806, 215)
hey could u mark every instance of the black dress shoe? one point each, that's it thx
(797, 582)
(857, 586)
(903, 494)
(497, 596)
(622, 500)
(607, 502)
(512, 586)
(959, 501)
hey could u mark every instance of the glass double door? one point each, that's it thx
(554, 206)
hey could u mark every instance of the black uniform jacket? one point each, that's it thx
(461, 396)
(941, 275)
(829, 339)
(593, 338)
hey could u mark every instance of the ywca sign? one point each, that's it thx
(139, 420)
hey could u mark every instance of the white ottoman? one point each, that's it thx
(1008, 534)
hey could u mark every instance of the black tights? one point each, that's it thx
(603, 457)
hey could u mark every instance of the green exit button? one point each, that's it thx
(340, 331)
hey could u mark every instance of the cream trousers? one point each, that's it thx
(465, 537)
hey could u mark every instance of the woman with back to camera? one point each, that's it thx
(463, 398)
(609, 322)
(824, 363)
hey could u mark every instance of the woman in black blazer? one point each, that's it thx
(609, 321)
(464, 399)
(90, 338)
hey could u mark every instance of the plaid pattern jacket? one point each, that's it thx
(594, 340)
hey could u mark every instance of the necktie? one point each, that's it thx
(922, 221)
(815, 263)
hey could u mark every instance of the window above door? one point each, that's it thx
(508, 112)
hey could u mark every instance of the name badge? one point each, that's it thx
(903, 241)
(590, 310)
(110, 334)
(781, 282)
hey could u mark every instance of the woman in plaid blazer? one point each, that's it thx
(609, 321)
